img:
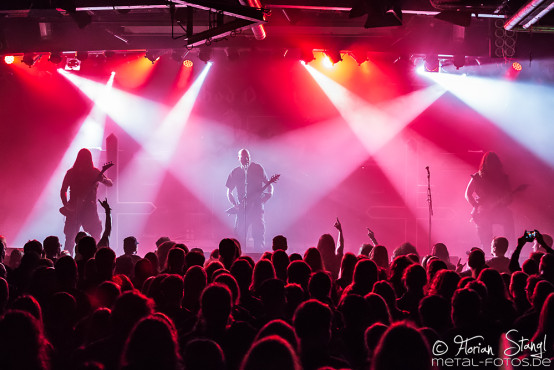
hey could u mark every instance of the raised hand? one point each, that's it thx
(105, 204)
(459, 265)
(338, 225)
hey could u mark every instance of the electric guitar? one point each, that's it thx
(74, 206)
(485, 210)
(239, 206)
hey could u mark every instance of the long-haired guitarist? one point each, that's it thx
(490, 194)
(253, 189)
(80, 210)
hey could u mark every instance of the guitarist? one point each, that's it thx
(490, 194)
(249, 180)
(80, 210)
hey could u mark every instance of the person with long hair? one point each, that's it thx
(80, 209)
(489, 193)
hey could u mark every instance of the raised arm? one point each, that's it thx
(105, 239)
(542, 243)
(340, 242)
(514, 259)
(371, 235)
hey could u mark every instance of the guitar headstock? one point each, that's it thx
(106, 166)
(274, 178)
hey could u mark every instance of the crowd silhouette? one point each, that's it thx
(177, 308)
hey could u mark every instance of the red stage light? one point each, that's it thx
(188, 63)
(9, 59)
(517, 66)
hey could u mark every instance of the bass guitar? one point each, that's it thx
(239, 206)
(485, 210)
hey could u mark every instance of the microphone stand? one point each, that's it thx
(244, 205)
(430, 202)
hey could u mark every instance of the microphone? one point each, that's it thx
(427, 168)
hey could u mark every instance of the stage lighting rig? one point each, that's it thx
(205, 54)
(55, 57)
(334, 56)
(307, 55)
(431, 63)
(30, 59)
(72, 64)
(153, 55)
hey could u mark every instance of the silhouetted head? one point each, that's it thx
(312, 323)
(372, 336)
(530, 267)
(299, 272)
(66, 271)
(441, 251)
(230, 282)
(175, 261)
(194, 283)
(280, 328)
(365, 275)
(313, 258)
(476, 259)
(326, 246)
(33, 246)
(404, 249)
(52, 246)
(402, 347)
(162, 253)
(490, 165)
(203, 354)
(83, 160)
(434, 312)
(365, 249)
(279, 243)
(86, 247)
(378, 309)
(128, 309)
(152, 344)
(466, 308)
(355, 312)
(385, 290)
(227, 252)
(215, 306)
(130, 244)
(380, 256)
(445, 283)
(22, 342)
(494, 283)
(242, 272)
(347, 266)
(271, 353)
(415, 277)
(319, 286)
(280, 261)
(262, 271)
(542, 289)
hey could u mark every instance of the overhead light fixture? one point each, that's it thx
(72, 64)
(334, 56)
(179, 55)
(152, 55)
(431, 63)
(359, 56)
(459, 61)
(30, 59)
(55, 57)
(205, 54)
(82, 55)
(307, 55)
(9, 59)
(187, 63)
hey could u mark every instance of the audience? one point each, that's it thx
(328, 310)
